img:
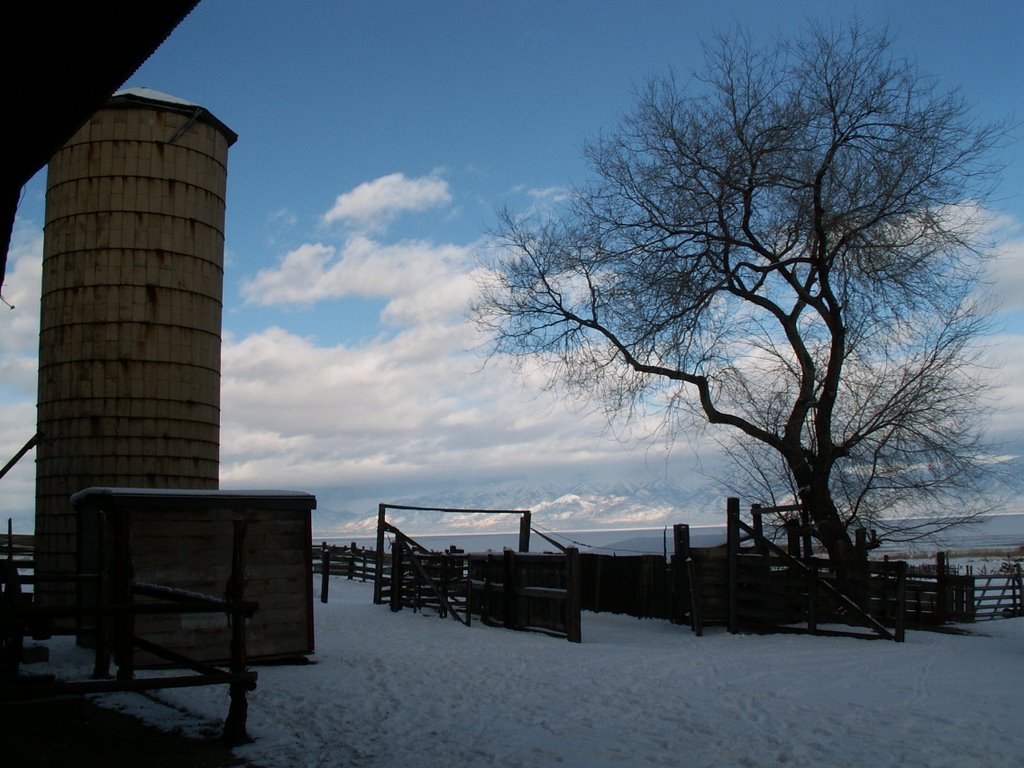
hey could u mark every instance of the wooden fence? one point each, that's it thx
(528, 591)
(937, 593)
(351, 561)
(789, 590)
(109, 620)
(692, 587)
(517, 590)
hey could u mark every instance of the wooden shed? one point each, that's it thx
(184, 539)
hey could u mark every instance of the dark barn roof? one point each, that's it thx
(63, 61)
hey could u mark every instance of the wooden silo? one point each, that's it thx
(130, 332)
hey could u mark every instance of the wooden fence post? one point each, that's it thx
(901, 600)
(509, 617)
(524, 532)
(378, 578)
(487, 593)
(397, 571)
(101, 621)
(793, 538)
(805, 527)
(325, 572)
(732, 516)
(942, 591)
(234, 725)
(758, 525)
(681, 573)
(812, 596)
(1018, 585)
(124, 618)
(573, 602)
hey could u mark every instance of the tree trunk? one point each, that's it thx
(828, 523)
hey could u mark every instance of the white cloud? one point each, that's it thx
(299, 278)
(549, 194)
(420, 281)
(19, 327)
(1006, 365)
(374, 203)
(1008, 275)
(395, 414)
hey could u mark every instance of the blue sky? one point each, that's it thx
(376, 142)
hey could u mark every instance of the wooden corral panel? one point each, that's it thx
(184, 539)
(711, 584)
(637, 585)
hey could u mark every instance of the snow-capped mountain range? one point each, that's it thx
(592, 505)
(579, 507)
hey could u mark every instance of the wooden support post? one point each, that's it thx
(942, 588)
(1017, 609)
(886, 611)
(901, 599)
(805, 526)
(234, 724)
(325, 572)
(352, 561)
(758, 525)
(573, 599)
(732, 514)
(681, 573)
(101, 622)
(793, 538)
(524, 532)
(812, 596)
(487, 594)
(695, 622)
(121, 593)
(509, 617)
(12, 629)
(397, 571)
(378, 578)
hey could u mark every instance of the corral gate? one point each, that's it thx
(383, 526)
(514, 589)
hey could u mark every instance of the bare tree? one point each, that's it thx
(789, 245)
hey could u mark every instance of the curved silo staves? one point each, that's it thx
(130, 333)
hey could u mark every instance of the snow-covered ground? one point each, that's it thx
(410, 689)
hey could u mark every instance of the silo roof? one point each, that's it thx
(148, 97)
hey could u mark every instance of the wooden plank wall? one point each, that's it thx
(636, 585)
(191, 550)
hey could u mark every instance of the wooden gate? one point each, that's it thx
(998, 595)
(528, 591)
(422, 579)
